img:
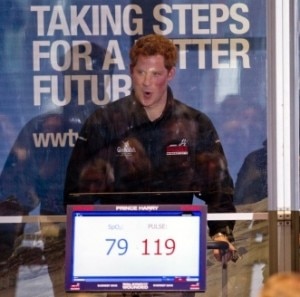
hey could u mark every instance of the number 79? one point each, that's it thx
(121, 244)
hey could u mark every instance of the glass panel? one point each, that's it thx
(48, 89)
(36, 266)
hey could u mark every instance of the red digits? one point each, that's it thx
(169, 246)
(145, 247)
(157, 247)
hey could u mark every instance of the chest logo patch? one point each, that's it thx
(126, 149)
(178, 149)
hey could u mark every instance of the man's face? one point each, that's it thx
(150, 80)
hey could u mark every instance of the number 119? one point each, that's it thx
(167, 248)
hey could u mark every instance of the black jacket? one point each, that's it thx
(172, 158)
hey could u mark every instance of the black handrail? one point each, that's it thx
(218, 245)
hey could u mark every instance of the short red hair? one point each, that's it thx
(152, 45)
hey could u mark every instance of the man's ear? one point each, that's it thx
(171, 73)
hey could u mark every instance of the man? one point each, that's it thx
(155, 144)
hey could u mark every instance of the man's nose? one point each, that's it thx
(147, 79)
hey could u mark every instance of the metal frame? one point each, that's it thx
(283, 132)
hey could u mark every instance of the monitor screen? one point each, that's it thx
(136, 248)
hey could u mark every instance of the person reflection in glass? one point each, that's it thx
(42, 149)
(33, 174)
